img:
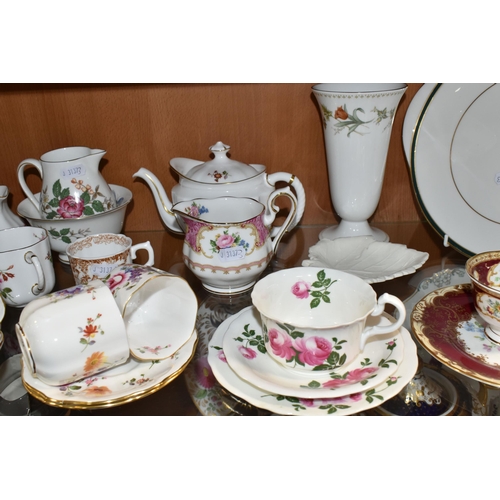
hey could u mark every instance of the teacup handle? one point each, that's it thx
(38, 287)
(30, 162)
(272, 210)
(384, 299)
(145, 246)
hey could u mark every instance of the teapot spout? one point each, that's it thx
(163, 203)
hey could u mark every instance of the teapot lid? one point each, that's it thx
(219, 170)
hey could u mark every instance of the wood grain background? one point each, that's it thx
(278, 125)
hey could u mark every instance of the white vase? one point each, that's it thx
(357, 123)
(7, 217)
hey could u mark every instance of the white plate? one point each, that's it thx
(246, 354)
(290, 405)
(412, 114)
(454, 164)
(128, 382)
(371, 260)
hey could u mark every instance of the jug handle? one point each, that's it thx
(30, 162)
(293, 181)
(272, 210)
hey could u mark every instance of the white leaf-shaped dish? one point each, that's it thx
(374, 261)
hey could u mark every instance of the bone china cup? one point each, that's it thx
(95, 256)
(26, 270)
(484, 272)
(314, 318)
(72, 334)
(159, 309)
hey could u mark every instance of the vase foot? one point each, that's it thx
(349, 229)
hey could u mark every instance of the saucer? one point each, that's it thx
(246, 354)
(291, 405)
(123, 384)
(447, 325)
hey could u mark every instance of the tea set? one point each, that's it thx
(316, 339)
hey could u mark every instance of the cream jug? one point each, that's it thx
(228, 241)
(72, 185)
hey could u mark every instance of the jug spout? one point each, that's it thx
(163, 203)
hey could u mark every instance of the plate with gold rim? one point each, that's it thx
(291, 405)
(125, 383)
(246, 354)
(447, 325)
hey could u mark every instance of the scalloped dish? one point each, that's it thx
(374, 261)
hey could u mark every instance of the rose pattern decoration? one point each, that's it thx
(64, 205)
(195, 210)
(226, 240)
(303, 290)
(250, 339)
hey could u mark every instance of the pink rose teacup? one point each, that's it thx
(316, 319)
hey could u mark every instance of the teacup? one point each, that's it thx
(159, 309)
(484, 272)
(72, 334)
(95, 256)
(26, 269)
(316, 319)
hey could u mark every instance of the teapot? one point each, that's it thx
(228, 242)
(219, 177)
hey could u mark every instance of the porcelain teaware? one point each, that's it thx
(484, 273)
(72, 334)
(72, 185)
(95, 256)
(228, 241)
(26, 269)
(159, 309)
(63, 232)
(7, 218)
(216, 178)
(315, 319)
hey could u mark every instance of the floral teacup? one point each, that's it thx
(316, 319)
(159, 309)
(72, 334)
(484, 272)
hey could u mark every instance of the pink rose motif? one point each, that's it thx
(204, 374)
(225, 241)
(281, 344)
(301, 289)
(247, 353)
(335, 382)
(69, 208)
(360, 374)
(193, 211)
(116, 280)
(307, 402)
(313, 351)
(351, 398)
(353, 376)
(222, 356)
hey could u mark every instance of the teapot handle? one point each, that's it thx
(271, 211)
(293, 181)
(30, 162)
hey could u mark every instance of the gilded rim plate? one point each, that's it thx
(290, 405)
(247, 356)
(445, 322)
(123, 384)
(454, 164)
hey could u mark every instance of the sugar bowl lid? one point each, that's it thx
(219, 170)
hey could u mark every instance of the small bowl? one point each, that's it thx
(72, 334)
(159, 309)
(484, 272)
(62, 232)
